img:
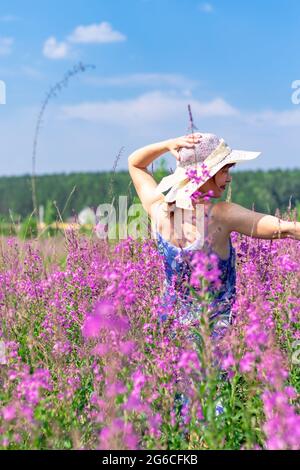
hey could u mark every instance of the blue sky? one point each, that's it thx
(234, 62)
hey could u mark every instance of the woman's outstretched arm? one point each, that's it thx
(254, 224)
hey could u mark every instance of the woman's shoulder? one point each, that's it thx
(234, 216)
(221, 213)
(222, 208)
(218, 208)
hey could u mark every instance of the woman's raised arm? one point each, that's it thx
(139, 160)
(254, 224)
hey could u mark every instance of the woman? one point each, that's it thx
(186, 220)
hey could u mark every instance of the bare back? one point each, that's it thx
(188, 234)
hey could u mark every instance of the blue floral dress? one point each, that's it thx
(177, 266)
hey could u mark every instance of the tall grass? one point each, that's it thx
(88, 364)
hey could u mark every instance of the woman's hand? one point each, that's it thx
(186, 141)
(139, 160)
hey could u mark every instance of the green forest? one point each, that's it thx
(265, 191)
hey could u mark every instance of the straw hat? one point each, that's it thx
(206, 158)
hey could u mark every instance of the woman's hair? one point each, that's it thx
(229, 165)
(169, 206)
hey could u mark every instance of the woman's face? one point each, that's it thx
(219, 182)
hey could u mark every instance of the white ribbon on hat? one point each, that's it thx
(167, 182)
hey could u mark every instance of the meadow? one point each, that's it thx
(85, 363)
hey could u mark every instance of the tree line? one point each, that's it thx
(68, 194)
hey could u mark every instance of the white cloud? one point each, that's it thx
(159, 107)
(95, 34)
(206, 7)
(91, 34)
(156, 116)
(285, 118)
(67, 145)
(6, 46)
(55, 50)
(216, 107)
(143, 79)
(151, 108)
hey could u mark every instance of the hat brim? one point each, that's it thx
(182, 189)
(183, 194)
(237, 156)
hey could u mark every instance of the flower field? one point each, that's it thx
(85, 363)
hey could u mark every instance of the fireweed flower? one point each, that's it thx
(205, 267)
(104, 317)
(119, 377)
(198, 176)
(189, 361)
(119, 435)
(282, 426)
(9, 413)
(62, 347)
